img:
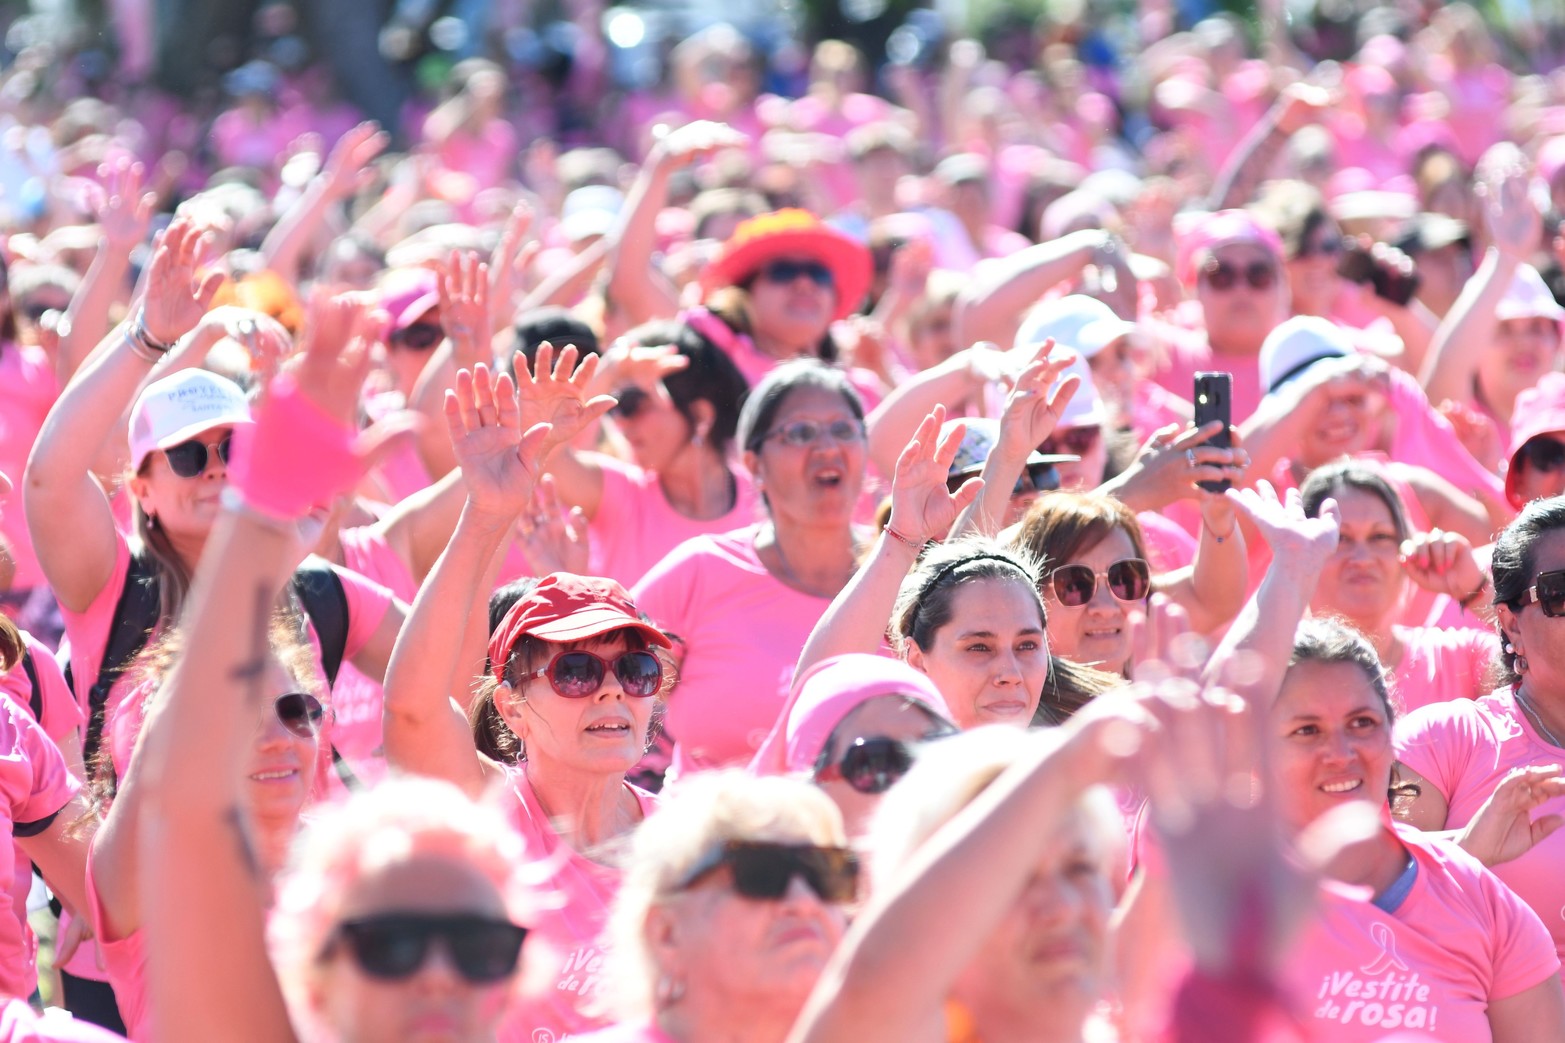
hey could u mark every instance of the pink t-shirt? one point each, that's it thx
(636, 525)
(27, 391)
(1467, 748)
(743, 630)
(1188, 352)
(125, 960)
(1439, 665)
(34, 784)
(61, 715)
(19, 1023)
(628, 1033)
(574, 906)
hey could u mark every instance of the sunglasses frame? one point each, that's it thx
(456, 933)
(1060, 442)
(1543, 600)
(1223, 277)
(314, 714)
(782, 271)
(400, 338)
(224, 448)
(1035, 478)
(1145, 573)
(832, 873)
(836, 429)
(604, 666)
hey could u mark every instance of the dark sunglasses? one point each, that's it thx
(421, 336)
(1548, 590)
(1073, 441)
(763, 871)
(189, 459)
(301, 713)
(784, 271)
(628, 402)
(1040, 478)
(396, 945)
(1129, 579)
(576, 675)
(808, 432)
(1544, 454)
(1223, 277)
(1329, 246)
(36, 310)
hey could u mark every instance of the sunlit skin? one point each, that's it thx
(790, 318)
(1363, 580)
(816, 484)
(185, 508)
(1331, 741)
(1097, 633)
(1237, 320)
(1521, 351)
(992, 659)
(1313, 282)
(885, 716)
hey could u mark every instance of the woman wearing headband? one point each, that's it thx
(563, 707)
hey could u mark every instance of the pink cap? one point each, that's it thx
(180, 407)
(1551, 159)
(1221, 229)
(407, 294)
(826, 694)
(1539, 410)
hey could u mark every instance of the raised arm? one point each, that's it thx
(347, 169)
(67, 510)
(124, 212)
(467, 317)
(991, 309)
(636, 287)
(1252, 161)
(922, 510)
(950, 383)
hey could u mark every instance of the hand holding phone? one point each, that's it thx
(1214, 401)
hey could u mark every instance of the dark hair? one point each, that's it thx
(924, 604)
(557, 326)
(731, 304)
(1058, 526)
(767, 397)
(1515, 563)
(1326, 480)
(711, 377)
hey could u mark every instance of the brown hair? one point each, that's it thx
(12, 648)
(1060, 526)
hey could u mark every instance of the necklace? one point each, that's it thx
(1536, 718)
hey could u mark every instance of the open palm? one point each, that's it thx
(922, 508)
(556, 393)
(1292, 536)
(500, 464)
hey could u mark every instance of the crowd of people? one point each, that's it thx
(1049, 552)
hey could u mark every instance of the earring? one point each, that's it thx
(1510, 649)
(669, 992)
(1520, 664)
(698, 439)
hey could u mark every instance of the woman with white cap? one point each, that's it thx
(1504, 331)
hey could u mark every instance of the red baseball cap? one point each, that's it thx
(566, 607)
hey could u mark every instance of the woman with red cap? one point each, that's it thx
(564, 706)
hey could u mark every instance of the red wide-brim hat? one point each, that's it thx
(793, 233)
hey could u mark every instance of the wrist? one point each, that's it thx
(898, 537)
(1477, 592)
(143, 338)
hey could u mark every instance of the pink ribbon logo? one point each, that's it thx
(1388, 958)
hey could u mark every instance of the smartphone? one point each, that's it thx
(1213, 399)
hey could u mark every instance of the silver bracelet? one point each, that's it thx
(138, 333)
(137, 349)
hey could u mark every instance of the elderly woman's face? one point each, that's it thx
(811, 463)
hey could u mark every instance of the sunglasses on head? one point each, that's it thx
(189, 459)
(301, 713)
(1073, 441)
(1129, 579)
(807, 432)
(1548, 590)
(1222, 276)
(1544, 454)
(578, 674)
(628, 402)
(784, 271)
(421, 336)
(396, 945)
(1041, 478)
(763, 871)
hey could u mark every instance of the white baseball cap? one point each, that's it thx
(180, 407)
(1083, 324)
(1085, 409)
(1528, 297)
(1296, 345)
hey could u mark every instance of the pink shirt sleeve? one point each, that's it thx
(1438, 740)
(368, 603)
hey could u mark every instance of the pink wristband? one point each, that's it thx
(294, 458)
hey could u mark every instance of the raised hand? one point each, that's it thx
(500, 463)
(336, 352)
(265, 340)
(922, 507)
(1504, 827)
(122, 206)
(512, 254)
(1515, 225)
(694, 141)
(1036, 402)
(1442, 562)
(464, 309)
(176, 292)
(557, 393)
(625, 365)
(553, 538)
(1171, 463)
(1295, 539)
(347, 167)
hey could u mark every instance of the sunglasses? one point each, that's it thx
(576, 675)
(421, 336)
(763, 871)
(1330, 246)
(785, 271)
(1544, 454)
(301, 713)
(628, 402)
(1548, 590)
(394, 946)
(1039, 478)
(35, 310)
(1129, 579)
(1222, 276)
(1072, 441)
(189, 459)
(801, 433)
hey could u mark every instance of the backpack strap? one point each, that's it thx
(135, 617)
(324, 599)
(34, 700)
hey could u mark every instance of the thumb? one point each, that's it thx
(1546, 825)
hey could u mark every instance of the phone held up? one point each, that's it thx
(1213, 401)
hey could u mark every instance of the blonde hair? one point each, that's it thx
(699, 815)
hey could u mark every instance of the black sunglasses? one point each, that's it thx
(1548, 590)
(1071, 441)
(1041, 478)
(1328, 246)
(786, 271)
(421, 336)
(189, 459)
(628, 402)
(394, 946)
(1544, 454)
(36, 310)
(1129, 579)
(576, 675)
(301, 713)
(763, 871)
(1221, 276)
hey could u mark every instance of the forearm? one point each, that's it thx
(1415, 325)
(1467, 331)
(1219, 576)
(87, 318)
(893, 422)
(428, 401)
(986, 516)
(990, 312)
(567, 284)
(1248, 166)
(1264, 630)
(856, 619)
(634, 283)
(293, 233)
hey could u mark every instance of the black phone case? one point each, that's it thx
(1213, 401)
